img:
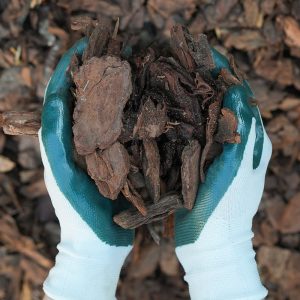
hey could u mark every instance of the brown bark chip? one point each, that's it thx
(134, 197)
(103, 86)
(228, 78)
(151, 167)
(227, 126)
(180, 48)
(20, 122)
(200, 51)
(131, 218)
(109, 169)
(211, 126)
(190, 173)
(151, 120)
(97, 41)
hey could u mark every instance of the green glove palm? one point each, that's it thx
(73, 182)
(213, 241)
(93, 248)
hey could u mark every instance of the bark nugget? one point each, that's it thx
(190, 172)
(109, 169)
(148, 126)
(103, 86)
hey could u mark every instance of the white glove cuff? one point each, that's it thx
(227, 273)
(78, 278)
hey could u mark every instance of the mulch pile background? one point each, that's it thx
(263, 36)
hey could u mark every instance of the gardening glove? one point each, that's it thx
(213, 241)
(92, 248)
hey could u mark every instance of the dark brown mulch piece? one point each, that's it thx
(115, 42)
(227, 126)
(183, 105)
(103, 86)
(190, 173)
(151, 120)
(236, 71)
(180, 48)
(131, 218)
(172, 179)
(211, 126)
(151, 168)
(228, 78)
(83, 24)
(201, 53)
(137, 179)
(134, 197)
(97, 40)
(109, 169)
(169, 224)
(20, 122)
(204, 90)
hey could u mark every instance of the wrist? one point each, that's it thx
(77, 276)
(227, 272)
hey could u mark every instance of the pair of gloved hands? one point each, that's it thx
(213, 241)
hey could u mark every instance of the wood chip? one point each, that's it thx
(151, 168)
(180, 48)
(228, 78)
(20, 122)
(190, 173)
(134, 197)
(10, 235)
(151, 120)
(103, 86)
(97, 40)
(291, 29)
(227, 126)
(109, 169)
(137, 179)
(201, 52)
(131, 218)
(211, 126)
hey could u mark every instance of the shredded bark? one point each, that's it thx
(97, 41)
(228, 78)
(151, 167)
(227, 127)
(20, 122)
(190, 173)
(103, 86)
(109, 169)
(200, 51)
(180, 48)
(131, 218)
(211, 126)
(151, 120)
(134, 197)
(141, 123)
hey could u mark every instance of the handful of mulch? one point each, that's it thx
(149, 124)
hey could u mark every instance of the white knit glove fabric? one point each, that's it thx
(220, 264)
(85, 268)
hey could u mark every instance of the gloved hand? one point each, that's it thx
(92, 248)
(213, 241)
